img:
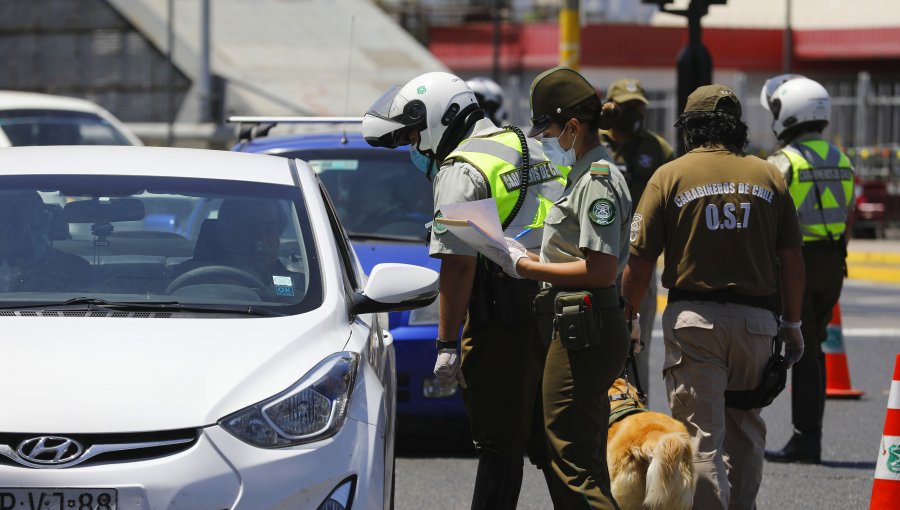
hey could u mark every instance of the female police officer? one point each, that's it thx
(585, 245)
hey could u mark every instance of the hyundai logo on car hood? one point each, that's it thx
(50, 450)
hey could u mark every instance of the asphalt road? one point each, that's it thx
(428, 477)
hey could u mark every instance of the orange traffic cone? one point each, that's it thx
(837, 375)
(886, 488)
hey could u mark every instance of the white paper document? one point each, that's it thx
(478, 225)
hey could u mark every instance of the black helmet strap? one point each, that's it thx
(457, 127)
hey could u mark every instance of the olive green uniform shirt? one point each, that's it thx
(720, 218)
(459, 182)
(594, 214)
(639, 158)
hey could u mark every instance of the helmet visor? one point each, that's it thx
(392, 118)
(771, 85)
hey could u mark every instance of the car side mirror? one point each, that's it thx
(392, 287)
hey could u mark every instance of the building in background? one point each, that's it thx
(266, 57)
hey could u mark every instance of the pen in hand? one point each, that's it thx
(522, 233)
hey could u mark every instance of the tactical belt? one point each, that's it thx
(725, 296)
(825, 245)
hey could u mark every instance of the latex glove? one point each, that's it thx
(636, 333)
(446, 368)
(793, 344)
(516, 252)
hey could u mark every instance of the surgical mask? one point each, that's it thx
(555, 153)
(630, 121)
(421, 161)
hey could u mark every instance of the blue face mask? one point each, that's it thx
(555, 153)
(421, 161)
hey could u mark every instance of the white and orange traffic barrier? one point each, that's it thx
(837, 373)
(886, 488)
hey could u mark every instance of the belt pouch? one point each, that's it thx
(576, 322)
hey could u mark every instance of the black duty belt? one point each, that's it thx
(825, 245)
(726, 296)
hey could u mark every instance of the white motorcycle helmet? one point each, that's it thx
(438, 105)
(490, 96)
(794, 100)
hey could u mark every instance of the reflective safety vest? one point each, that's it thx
(816, 164)
(498, 156)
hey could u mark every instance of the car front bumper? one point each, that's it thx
(221, 472)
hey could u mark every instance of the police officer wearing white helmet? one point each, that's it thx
(502, 355)
(820, 180)
(490, 97)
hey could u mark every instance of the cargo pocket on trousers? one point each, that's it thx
(763, 327)
(684, 320)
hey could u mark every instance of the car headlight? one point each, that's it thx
(313, 409)
(426, 316)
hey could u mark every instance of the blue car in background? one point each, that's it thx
(384, 203)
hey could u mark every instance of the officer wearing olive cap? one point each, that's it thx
(584, 249)
(638, 153)
(731, 240)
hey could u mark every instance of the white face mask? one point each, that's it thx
(555, 153)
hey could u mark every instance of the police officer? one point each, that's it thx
(729, 230)
(502, 353)
(638, 152)
(820, 179)
(490, 97)
(584, 248)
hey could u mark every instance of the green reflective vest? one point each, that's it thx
(498, 156)
(816, 164)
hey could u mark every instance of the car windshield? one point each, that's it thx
(58, 127)
(116, 241)
(378, 193)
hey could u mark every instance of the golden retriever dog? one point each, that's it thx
(649, 454)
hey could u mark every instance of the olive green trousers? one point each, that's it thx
(576, 414)
(502, 365)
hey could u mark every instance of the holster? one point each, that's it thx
(491, 301)
(574, 315)
(774, 379)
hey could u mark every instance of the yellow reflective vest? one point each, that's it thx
(498, 156)
(821, 184)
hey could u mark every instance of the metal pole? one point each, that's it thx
(860, 134)
(788, 39)
(569, 35)
(203, 79)
(170, 74)
(495, 64)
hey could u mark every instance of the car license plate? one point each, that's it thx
(57, 499)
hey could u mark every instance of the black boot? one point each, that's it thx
(497, 483)
(803, 447)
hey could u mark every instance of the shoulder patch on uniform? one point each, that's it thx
(636, 221)
(600, 168)
(436, 226)
(602, 211)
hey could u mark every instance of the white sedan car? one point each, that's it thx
(28, 118)
(240, 364)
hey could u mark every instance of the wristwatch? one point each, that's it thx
(441, 344)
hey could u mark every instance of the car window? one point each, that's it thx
(376, 192)
(137, 238)
(58, 127)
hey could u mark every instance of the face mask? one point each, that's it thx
(421, 161)
(555, 153)
(629, 121)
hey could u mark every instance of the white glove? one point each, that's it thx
(446, 368)
(516, 252)
(793, 344)
(636, 333)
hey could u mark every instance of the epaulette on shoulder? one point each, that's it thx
(600, 168)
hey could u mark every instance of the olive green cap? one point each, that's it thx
(713, 98)
(626, 89)
(553, 92)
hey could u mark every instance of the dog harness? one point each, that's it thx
(628, 407)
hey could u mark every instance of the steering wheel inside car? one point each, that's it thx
(215, 274)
